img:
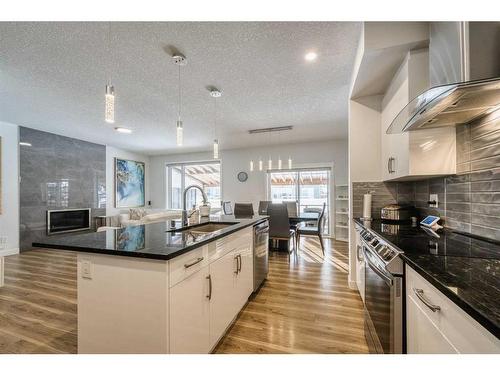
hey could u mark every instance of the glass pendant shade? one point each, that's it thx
(179, 133)
(251, 165)
(261, 165)
(279, 163)
(289, 163)
(270, 164)
(216, 149)
(109, 111)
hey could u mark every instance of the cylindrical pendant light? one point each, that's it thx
(216, 149)
(261, 165)
(179, 132)
(289, 162)
(109, 93)
(109, 111)
(251, 165)
(270, 163)
(214, 93)
(179, 60)
(279, 162)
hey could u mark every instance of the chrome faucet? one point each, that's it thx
(184, 209)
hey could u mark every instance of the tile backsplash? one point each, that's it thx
(468, 201)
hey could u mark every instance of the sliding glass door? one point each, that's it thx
(205, 175)
(310, 188)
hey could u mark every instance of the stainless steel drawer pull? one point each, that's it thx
(209, 295)
(239, 263)
(193, 263)
(420, 294)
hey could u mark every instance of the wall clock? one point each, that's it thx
(242, 176)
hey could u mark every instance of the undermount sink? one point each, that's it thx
(207, 228)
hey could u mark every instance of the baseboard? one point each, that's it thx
(7, 252)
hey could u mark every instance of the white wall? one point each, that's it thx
(9, 218)
(111, 154)
(233, 161)
(364, 156)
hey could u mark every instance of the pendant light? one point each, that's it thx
(214, 93)
(179, 60)
(109, 94)
(269, 131)
(109, 109)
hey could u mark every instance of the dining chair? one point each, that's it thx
(226, 208)
(263, 207)
(312, 223)
(316, 230)
(243, 209)
(279, 225)
(292, 208)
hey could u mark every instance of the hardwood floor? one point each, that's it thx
(305, 306)
(38, 303)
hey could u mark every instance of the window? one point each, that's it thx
(310, 188)
(205, 175)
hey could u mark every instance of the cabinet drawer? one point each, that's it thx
(229, 243)
(187, 264)
(462, 331)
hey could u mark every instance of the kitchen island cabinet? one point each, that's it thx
(161, 300)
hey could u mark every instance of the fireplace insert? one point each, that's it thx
(68, 220)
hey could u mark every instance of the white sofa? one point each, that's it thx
(146, 216)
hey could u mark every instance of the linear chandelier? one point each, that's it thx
(270, 160)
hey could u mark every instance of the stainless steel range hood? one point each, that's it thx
(448, 105)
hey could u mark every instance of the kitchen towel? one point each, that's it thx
(367, 206)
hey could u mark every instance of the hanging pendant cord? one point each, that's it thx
(110, 54)
(179, 109)
(215, 117)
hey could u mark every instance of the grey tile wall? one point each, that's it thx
(468, 201)
(383, 193)
(58, 172)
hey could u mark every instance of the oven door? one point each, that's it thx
(383, 307)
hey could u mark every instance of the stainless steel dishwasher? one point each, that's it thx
(260, 253)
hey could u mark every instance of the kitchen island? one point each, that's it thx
(156, 289)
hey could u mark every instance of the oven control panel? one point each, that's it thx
(386, 253)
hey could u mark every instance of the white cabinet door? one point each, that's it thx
(223, 301)
(189, 314)
(423, 337)
(244, 277)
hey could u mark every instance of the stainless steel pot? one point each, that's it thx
(395, 212)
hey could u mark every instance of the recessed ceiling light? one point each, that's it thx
(27, 144)
(123, 130)
(311, 56)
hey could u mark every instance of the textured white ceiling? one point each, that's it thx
(52, 78)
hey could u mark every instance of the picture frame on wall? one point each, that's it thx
(129, 183)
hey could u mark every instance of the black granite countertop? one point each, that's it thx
(464, 269)
(153, 241)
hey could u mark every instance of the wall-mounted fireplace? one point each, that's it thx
(68, 220)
